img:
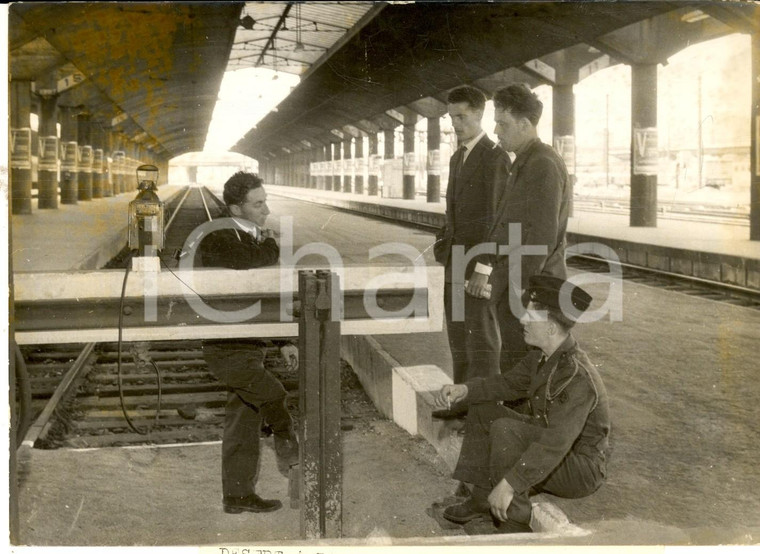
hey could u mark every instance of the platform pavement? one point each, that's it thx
(74, 236)
(707, 237)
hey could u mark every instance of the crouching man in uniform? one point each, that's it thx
(559, 446)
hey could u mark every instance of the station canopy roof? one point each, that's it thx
(406, 57)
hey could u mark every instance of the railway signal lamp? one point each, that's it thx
(146, 218)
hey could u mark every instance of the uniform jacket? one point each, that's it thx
(237, 249)
(471, 198)
(566, 397)
(537, 196)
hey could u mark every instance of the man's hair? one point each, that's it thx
(519, 101)
(556, 315)
(472, 96)
(238, 186)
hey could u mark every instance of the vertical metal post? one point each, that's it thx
(85, 157)
(319, 432)
(754, 210)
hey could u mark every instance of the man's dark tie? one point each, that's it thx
(460, 160)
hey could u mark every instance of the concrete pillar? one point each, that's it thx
(336, 166)
(347, 157)
(434, 159)
(69, 155)
(754, 210)
(326, 176)
(644, 156)
(47, 166)
(21, 147)
(360, 165)
(410, 161)
(389, 149)
(99, 186)
(119, 164)
(374, 165)
(563, 130)
(85, 157)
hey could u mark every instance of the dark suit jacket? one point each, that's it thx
(537, 196)
(470, 200)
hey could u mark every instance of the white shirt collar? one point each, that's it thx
(248, 227)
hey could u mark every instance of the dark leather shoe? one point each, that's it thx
(464, 512)
(250, 503)
(449, 414)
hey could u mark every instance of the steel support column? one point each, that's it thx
(644, 154)
(410, 161)
(85, 157)
(563, 130)
(434, 159)
(754, 210)
(21, 147)
(374, 165)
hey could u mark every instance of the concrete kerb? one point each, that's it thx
(404, 395)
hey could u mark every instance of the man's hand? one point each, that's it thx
(450, 394)
(267, 234)
(290, 355)
(478, 286)
(500, 499)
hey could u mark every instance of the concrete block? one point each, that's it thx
(684, 266)
(657, 261)
(733, 272)
(407, 383)
(374, 368)
(707, 270)
(636, 255)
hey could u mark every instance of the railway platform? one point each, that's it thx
(678, 370)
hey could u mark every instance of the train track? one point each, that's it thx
(75, 394)
(675, 282)
(87, 410)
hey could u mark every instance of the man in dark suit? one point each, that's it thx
(536, 197)
(253, 394)
(477, 172)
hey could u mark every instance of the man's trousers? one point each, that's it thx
(253, 395)
(495, 438)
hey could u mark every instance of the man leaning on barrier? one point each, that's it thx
(253, 394)
(559, 446)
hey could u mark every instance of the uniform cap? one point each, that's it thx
(547, 290)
